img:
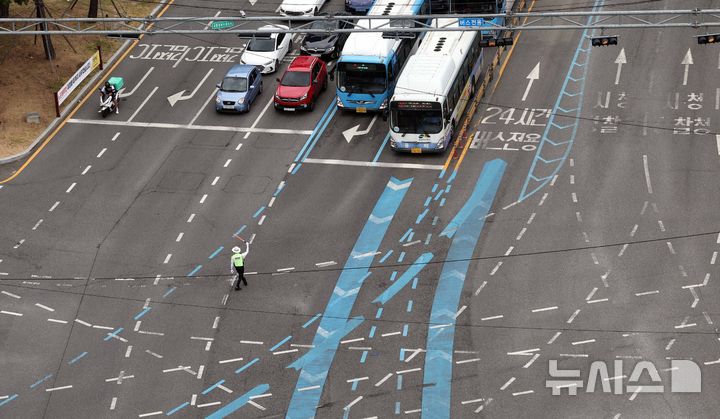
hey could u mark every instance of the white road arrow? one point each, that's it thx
(252, 2)
(350, 133)
(620, 60)
(534, 75)
(687, 62)
(181, 94)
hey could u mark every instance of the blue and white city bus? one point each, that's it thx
(370, 64)
(434, 89)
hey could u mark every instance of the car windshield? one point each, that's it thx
(234, 84)
(416, 121)
(296, 79)
(361, 78)
(321, 25)
(261, 45)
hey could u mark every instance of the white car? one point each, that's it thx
(267, 50)
(300, 7)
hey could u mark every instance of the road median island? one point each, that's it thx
(31, 80)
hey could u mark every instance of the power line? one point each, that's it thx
(381, 320)
(389, 266)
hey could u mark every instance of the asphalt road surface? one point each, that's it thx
(568, 246)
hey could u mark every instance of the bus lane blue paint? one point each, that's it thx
(314, 366)
(236, 404)
(438, 360)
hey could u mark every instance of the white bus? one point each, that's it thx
(434, 89)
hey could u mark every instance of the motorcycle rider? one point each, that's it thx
(109, 89)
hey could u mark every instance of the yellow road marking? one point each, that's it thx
(79, 105)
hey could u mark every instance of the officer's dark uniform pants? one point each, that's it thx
(241, 276)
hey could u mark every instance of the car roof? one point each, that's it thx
(269, 28)
(302, 63)
(239, 70)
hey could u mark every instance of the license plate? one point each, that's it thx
(289, 109)
(362, 110)
(228, 106)
(416, 150)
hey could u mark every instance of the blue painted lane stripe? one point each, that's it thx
(524, 194)
(169, 413)
(296, 168)
(170, 291)
(113, 334)
(401, 257)
(363, 357)
(421, 216)
(77, 358)
(379, 313)
(427, 201)
(216, 252)
(238, 403)
(382, 147)
(317, 127)
(8, 400)
(409, 306)
(392, 276)
(258, 212)
(438, 359)
(40, 381)
(194, 271)
(142, 313)
(311, 321)
(334, 324)
(405, 236)
(318, 351)
(405, 279)
(387, 255)
(241, 229)
(319, 133)
(213, 387)
(279, 344)
(246, 366)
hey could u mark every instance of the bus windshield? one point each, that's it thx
(416, 117)
(361, 78)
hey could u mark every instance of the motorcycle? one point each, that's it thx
(107, 106)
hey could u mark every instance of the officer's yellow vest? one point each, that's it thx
(238, 260)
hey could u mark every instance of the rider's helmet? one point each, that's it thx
(236, 249)
(108, 85)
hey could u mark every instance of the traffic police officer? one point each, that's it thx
(238, 262)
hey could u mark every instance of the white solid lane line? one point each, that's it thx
(257, 120)
(137, 111)
(647, 174)
(189, 127)
(374, 164)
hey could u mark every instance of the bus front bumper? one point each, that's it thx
(415, 147)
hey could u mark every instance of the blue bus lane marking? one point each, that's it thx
(236, 404)
(569, 104)
(440, 341)
(335, 322)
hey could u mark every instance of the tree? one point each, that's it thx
(5, 6)
(93, 9)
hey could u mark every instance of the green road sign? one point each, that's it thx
(221, 24)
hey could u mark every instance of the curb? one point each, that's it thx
(78, 98)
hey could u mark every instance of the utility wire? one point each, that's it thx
(390, 266)
(381, 320)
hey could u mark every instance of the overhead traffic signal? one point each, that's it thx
(603, 41)
(496, 42)
(708, 38)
